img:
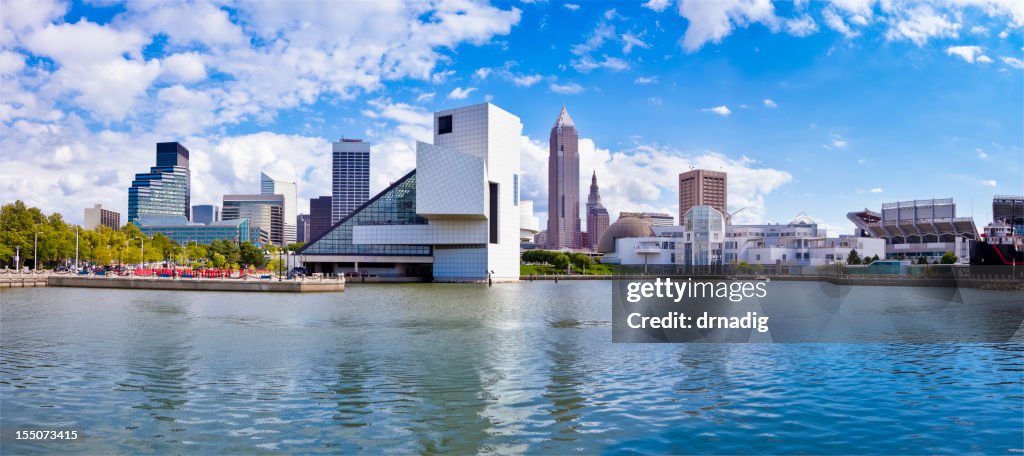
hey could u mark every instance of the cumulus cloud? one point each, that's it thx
(801, 26)
(921, 23)
(723, 110)
(657, 5)
(713, 21)
(989, 182)
(768, 103)
(571, 6)
(876, 190)
(1014, 62)
(566, 89)
(526, 80)
(460, 93)
(644, 80)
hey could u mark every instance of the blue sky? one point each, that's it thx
(820, 107)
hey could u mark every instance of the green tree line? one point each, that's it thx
(560, 260)
(21, 226)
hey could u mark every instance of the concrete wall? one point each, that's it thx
(196, 284)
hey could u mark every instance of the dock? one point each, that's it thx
(198, 284)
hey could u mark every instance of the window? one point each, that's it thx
(493, 216)
(515, 190)
(444, 125)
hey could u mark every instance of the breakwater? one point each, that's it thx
(146, 283)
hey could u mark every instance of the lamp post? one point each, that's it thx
(17, 257)
(35, 251)
(142, 241)
(76, 248)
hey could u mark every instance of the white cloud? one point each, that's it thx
(571, 6)
(1014, 62)
(566, 89)
(720, 110)
(981, 154)
(657, 5)
(428, 96)
(967, 53)
(459, 93)
(876, 190)
(526, 80)
(482, 73)
(768, 103)
(711, 21)
(979, 30)
(837, 23)
(919, 24)
(989, 183)
(801, 26)
(632, 41)
(587, 64)
(185, 67)
(655, 101)
(644, 80)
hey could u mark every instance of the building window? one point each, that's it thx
(444, 125)
(493, 218)
(515, 190)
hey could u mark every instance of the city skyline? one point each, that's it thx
(808, 106)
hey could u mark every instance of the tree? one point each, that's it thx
(874, 258)
(854, 257)
(295, 246)
(218, 260)
(869, 260)
(252, 255)
(922, 260)
(948, 258)
(561, 261)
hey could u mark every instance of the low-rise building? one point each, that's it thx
(918, 228)
(181, 230)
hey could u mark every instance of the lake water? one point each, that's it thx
(438, 368)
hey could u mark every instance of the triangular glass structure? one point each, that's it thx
(396, 205)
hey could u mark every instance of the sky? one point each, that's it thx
(816, 107)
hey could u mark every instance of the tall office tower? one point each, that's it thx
(302, 228)
(265, 212)
(320, 216)
(597, 215)
(350, 176)
(564, 184)
(97, 215)
(205, 213)
(165, 189)
(272, 186)
(700, 187)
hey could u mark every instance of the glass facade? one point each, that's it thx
(396, 205)
(350, 177)
(705, 229)
(165, 189)
(265, 212)
(181, 231)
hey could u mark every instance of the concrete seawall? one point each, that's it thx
(135, 283)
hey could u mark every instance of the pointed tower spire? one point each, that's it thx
(564, 119)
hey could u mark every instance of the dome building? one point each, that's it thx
(624, 227)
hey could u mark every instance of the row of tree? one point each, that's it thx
(27, 231)
(560, 260)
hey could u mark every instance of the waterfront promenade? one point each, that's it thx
(47, 278)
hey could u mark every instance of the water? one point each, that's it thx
(459, 368)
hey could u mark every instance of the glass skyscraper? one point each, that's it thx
(264, 212)
(350, 179)
(206, 213)
(272, 186)
(165, 189)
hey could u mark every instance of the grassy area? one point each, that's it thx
(534, 269)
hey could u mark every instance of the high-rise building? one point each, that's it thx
(205, 213)
(273, 186)
(563, 184)
(165, 189)
(302, 228)
(319, 216)
(700, 187)
(265, 212)
(350, 176)
(97, 215)
(597, 215)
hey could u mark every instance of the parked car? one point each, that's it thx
(351, 274)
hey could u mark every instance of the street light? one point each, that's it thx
(35, 251)
(142, 240)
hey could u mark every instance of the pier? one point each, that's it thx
(196, 284)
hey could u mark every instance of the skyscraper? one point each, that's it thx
(563, 185)
(700, 187)
(272, 186)
(597, 215)
(265, 212)
(302, 228)
(98, 215)
(350, 176)
(165, 189)
(205, 213)
(319, 216)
